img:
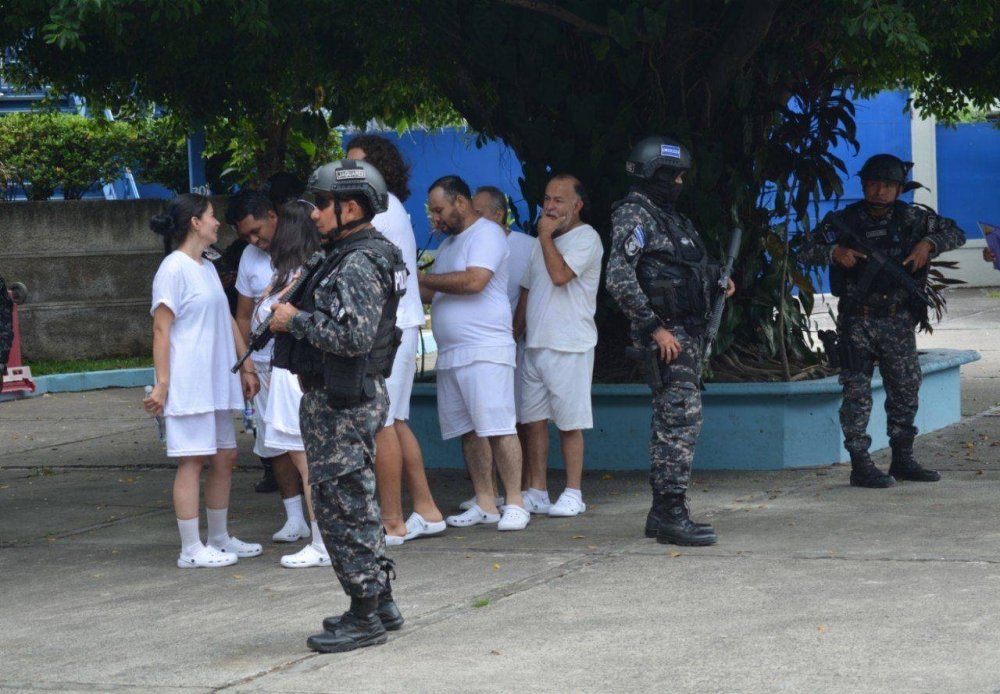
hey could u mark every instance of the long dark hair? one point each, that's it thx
(175, 224)
(295, 239)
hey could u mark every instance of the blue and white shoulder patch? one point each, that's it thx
(635, 242)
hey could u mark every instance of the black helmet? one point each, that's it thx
(655, 152)
(886, 167)
(350, 177)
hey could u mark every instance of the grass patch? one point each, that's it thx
(44, 367)
(482, 603)
(991, 293)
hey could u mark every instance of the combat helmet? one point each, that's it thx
(886, 167)
(351, 177)
(655, 152)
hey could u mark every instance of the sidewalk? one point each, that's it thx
(814, 586)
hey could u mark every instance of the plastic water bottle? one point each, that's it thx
(161, 429)
(249, 420)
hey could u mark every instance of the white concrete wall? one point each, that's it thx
(923, 140)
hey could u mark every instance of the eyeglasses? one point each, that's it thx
(323, 202)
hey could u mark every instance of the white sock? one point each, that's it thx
(574, 494)
(190, 537)
(317, 540)
(539, 494)
(293, 509)
(217, 533)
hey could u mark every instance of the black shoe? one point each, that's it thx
(350, 632)
(865, 474)
(267, 483)
(677, 529)
(655, 516)
(905, 467)
(388, 613)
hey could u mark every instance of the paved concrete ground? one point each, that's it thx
(814, 587)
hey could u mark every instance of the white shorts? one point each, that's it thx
(557, 388)
(281, 418)
(200, 434)
(518, 379)
(260, 446)
(400, 383)
(477, 397)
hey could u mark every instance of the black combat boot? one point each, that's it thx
(267, 483)
(387, 610)
(865, 474)
(677, 529)
(655, 516)
(905, 467)
(360, 626)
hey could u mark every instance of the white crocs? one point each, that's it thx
(416, 527)
(469, 503)
(474, 516)
(533, 505)
(305, 558)
(206, 558)
(514, 518)
(394, 540)
(292, 531)
(567, 506)
(240, 548)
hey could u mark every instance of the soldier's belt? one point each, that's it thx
(859, 310)
(311, 382)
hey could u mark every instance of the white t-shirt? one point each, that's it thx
(252, 279)
(521, 247)
(261, 310)
(474, 327)
(201, 337)
(562, 318)
(395, 225)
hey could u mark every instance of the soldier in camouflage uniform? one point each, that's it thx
(6, 328)
(341, 342)
(876, 323)
(660, 274)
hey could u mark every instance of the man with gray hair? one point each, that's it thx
(555, 317)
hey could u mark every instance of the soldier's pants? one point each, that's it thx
(340, 448)
(893, 343)
(676, 425)
(349, 521)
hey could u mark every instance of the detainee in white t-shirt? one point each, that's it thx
(195, 341)
(256, 221)
(491, 203)
(397, 452)
(556, 317)
(471, 319)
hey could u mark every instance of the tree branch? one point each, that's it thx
(560, 14)
(752, 26)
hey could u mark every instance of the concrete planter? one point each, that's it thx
(748, 426)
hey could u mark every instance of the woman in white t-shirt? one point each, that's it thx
(296, 238)
(195, 342)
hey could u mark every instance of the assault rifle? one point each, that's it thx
(715, 317)
(262, 334)
(879, 262)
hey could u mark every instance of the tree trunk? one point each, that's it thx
(271, 156)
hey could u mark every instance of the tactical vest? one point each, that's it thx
(348, 381)
(678, 285)
(895, 243)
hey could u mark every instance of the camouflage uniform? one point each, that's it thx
(6, 326)
(340, 441)
(676, 406)
(886, 334)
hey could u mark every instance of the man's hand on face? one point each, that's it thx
(549, 225)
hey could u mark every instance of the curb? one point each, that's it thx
(93, 380)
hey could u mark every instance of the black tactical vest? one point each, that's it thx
(678, 285)
(348, 381)
(891, 237)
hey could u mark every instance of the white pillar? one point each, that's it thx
(923, 143)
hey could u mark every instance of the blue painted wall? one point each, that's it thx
(453, 151)
(968, 158)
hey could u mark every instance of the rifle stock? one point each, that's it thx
(262, 334)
